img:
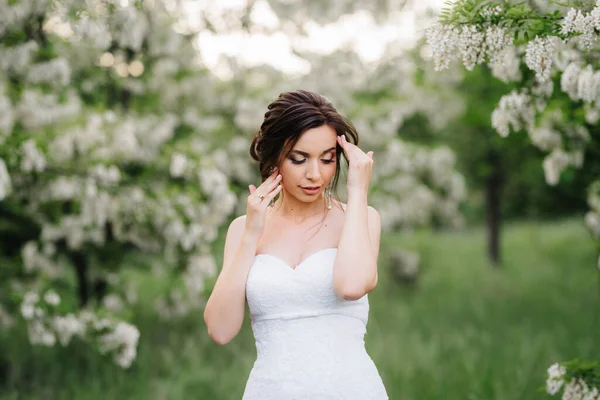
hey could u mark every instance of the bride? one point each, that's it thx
(303, 260)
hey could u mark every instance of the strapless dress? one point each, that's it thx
(309, 342)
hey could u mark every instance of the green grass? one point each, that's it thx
(464, 331)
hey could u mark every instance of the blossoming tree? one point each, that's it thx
(103, 168)
(538, 46)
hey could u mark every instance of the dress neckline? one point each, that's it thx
(301, 262)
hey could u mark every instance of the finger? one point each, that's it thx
(273, 175)
(342, 143)
(269, 184)
(252, 189)
(273, 193)
(268, 187)
(370, 154)
(346, 145)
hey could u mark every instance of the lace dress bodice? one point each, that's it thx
(309, 342)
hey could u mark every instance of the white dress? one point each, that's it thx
(309, 342)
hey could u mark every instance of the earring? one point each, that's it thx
(328, 195)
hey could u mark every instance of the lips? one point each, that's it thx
(311, 191)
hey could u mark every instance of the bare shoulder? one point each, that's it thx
(373, 214)
(239, 220)
(235, 233)
(237, 226)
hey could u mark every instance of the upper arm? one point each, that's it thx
(233, 238)
(374, 222)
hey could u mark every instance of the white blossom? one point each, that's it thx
(178, 164)
(580, 22)
(55, 71)
(588, 84)
(492, 11)
(17, 59)
(131, 27)
(106, 175)
(198, 269)
(577, 389)
(7, 116)
(555, 378)
(514, 111)
(443, 41)
(592, 221)
(36, 109)
(122, 340)
(539, 55)
(505, 64)
(33, 159)
(212, 180)
(570, 21)
(113, 302)
(39, 333)
(6, 320)
(5, 182)
(545, 138)
(27, 310)
(94, 31)
(471, 46)
(68, 326)
(569, 80)
(592, 113)
(554, 164)
(496, 40)
(52, 298)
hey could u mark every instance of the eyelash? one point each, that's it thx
(302, 161)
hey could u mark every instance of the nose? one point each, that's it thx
(312, 171)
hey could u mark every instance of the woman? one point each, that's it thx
(303, 260)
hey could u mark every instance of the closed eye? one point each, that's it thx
(302, 161)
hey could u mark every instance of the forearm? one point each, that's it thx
(355, 269)
(225, 308)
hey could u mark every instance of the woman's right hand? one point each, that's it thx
(256, 209)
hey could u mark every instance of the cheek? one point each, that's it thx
(329, 171)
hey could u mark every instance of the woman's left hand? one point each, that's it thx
(360, 167)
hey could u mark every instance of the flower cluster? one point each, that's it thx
(514, 111)
(583, 24)
(415, 185)
(581, 83)
(539, 56)
(554, 382)
(47, 327)
(578, 27)
(575, 387)
(469, 43)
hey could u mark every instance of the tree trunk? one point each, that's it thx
(493, 193)
(81, 269)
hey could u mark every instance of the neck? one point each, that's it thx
(290, 207)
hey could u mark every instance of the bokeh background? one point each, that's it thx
(124, 154)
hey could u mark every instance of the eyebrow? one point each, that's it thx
(305, 154)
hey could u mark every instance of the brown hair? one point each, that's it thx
(287, 118)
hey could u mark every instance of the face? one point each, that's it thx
(309, 167)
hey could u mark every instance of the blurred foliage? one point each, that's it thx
(525, 193)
